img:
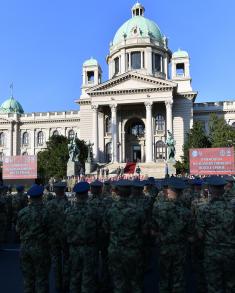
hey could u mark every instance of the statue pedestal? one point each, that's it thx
(89, 167)
(171, 168)
(72, 168)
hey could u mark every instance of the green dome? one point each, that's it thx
(11, 106)
(180, 54)
(91, 62)
(145, 26)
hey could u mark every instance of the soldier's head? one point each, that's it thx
(59, 189)
(20, 188)
(107, 187)
(81, 190)
(216, 185)
(137, 188)
(96, 188)
(124, 188)
(164, 185)
(230, 182)
(175, 188)
(197, 184)
(35, 193)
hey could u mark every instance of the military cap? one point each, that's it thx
(216, 181)
(107, 182)
(176, 183)
(60, 184)
(151, 180)
(20, 188)
(35, 191)
(137, 184)
(2, 187)
(81, 187)
(124, 183)
(197, 182)
(165, 182)
(96, 183)
(146, 182)
(229, 178)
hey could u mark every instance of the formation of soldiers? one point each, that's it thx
(101, 241)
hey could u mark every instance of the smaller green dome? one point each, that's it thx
(91, 62)
(180, 54)
(11, 106)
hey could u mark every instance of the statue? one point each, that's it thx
(74, 151)
(90, 152)
(170, 142)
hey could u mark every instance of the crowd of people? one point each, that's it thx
(101, 239)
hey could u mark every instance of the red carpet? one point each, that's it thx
(130, 168)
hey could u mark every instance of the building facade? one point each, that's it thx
(127, 117)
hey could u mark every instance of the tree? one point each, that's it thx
(196, 138)
(52, 162)
(221, 134)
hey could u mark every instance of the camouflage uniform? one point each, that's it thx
(81, 227)
(216, 222)
(124, 222)
(19, 201)
(3, 217)
(33, 228)
(58, 246)
(172, 223)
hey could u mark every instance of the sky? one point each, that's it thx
(43, 44)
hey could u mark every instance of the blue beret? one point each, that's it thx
(151, 180)
(176, 183)
(81, 187)
(20, 188)
(2, 187)
(35, 191)
(197, 182)
(216, 181)
(124, 183)
(138, 184)
(96, 183)
(60, 184)
(229, 178)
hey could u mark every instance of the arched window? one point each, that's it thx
(24, 154)
(108, 152)
(25, 138)
(71, 134)
(55, 132)
(108, 124)
(1, 156)
(2, 139)
(137, 128)
(40, 138)
(160, 150)
(160, 122)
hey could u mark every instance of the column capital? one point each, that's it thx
(148, 104)
(113, 107)
(94, 107)
(168, 103)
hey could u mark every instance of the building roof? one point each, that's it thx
(11, 106)
(145, 26)
(91, 62)
(180, 54)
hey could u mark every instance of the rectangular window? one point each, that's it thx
(180, 69)
(116, 61)
(136, 60)
(90, 76)
(157, 59)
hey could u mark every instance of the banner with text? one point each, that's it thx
(19, 167)
(213, 161)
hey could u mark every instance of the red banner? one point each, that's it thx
(213, 161)
(19, 167)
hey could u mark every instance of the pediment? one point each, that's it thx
(132, 82)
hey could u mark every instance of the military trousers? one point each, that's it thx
(83, 268)
(35, 266)
(126, 269)
(172, 268)
(220, 269)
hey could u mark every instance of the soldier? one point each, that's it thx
(215, 225)
(58, 247)
(229, 188)
(47, 196)
(125, 224)
(171, 223)
(33, 228)
(19, 201)
(3, 215)
(81, 226)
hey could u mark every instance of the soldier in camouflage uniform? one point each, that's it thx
(81, 229)
(172, 224)
(3, 215)
(125, 224)
(19, 201)
(33, 228)
(229, 188)
(216, 226)
(47, 196)
(58, 246)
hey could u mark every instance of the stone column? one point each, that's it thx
(95, 131)
(114, 132)
(149, 133)
(11, 139)
(169, 115)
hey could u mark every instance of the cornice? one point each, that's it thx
(84, 102)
